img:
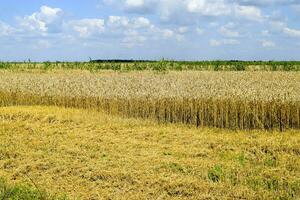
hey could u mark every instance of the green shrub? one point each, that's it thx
(47, 65)
(4, 65)
(160, 66)
(287, 66)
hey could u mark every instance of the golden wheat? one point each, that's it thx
(91, 155)
(235, 100)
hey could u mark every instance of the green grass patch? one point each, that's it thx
(24, 192)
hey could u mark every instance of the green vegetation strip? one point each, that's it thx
(162, 65)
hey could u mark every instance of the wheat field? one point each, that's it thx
(233, 100)
(77, 134)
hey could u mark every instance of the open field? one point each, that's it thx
(151, 134)
(233, 100)
(92, 155)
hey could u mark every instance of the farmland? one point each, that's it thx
(151, 130)
(92, 155)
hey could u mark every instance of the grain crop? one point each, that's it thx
(234, 100)
(85, 154)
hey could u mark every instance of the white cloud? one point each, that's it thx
(175, 10)
(189, 11)
(159, 22)
(88, 27)
(183, 29)
(267, 43)
(135, 3)
(291, 32)
(133, 38)
(216, 43)
(249, 12)
(46, 20)
(207, 7)
(228, 33)
(5, 29)
(118, 22)
(282, 27)
(186, 11)
(141, 22)
(135, 31)
(167, 33)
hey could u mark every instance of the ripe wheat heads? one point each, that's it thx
(234, 100)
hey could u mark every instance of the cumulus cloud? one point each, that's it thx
(141, 22)
(46, 20)
(189, 11)
(167, 33)
(140, 28)
(184, 11)
(134, 23)
(207, 7)
(249, 12)
(291, 32)
(117, 21)
(283, 28)
(133, 38)
(174, 10)
(88, 27)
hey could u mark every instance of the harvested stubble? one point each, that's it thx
(234, 100)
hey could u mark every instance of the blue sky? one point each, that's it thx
(149, 29)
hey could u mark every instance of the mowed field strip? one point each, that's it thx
(233, 100)
(91, 155)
